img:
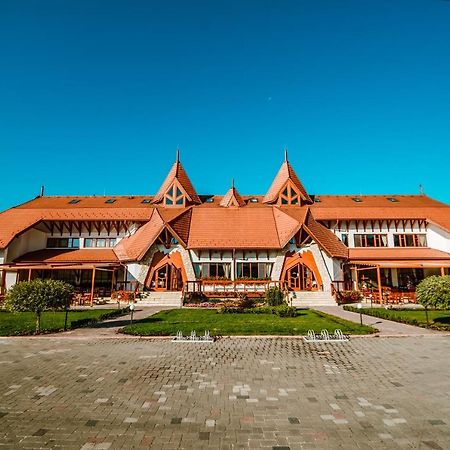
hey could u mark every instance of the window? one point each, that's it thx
(289, 196)
(110, 200)
(253, 270)
(344, 238)
(100, 242)
(74, 201)
(370, 240)
(217, 271)
(63, 243)
(174, 196)
(146, 200)
(392, 199)
(410, 240)
(357, 199)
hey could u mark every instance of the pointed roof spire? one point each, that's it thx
(232, 197)
(177, 173)
(285, 174)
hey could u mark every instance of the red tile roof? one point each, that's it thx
(399, 253)
(134, 247)
(233, 228)
(54, 256)
(232, 198)
(177, 173)
(285, 174)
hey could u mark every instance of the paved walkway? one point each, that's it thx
(265, 393)
(386, 327)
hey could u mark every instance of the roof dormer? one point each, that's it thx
(232, 198)
(286, 188)
(177, 189)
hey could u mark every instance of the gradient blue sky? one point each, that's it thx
(95, 95)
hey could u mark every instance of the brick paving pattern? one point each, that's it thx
(275, 393)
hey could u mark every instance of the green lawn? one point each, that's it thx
(439, 320)
(167, 323)
(23, 323)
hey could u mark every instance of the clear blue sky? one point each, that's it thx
(95, 95)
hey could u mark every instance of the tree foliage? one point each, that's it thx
(434, 292)
(38, 296)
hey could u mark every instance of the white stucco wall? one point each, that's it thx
(438, 238)
(29, 241)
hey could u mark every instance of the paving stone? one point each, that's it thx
(173, 397)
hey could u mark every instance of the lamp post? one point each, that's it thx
(359, 306)
(118, 301)
(132, 306)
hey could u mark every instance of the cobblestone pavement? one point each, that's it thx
(276, 393)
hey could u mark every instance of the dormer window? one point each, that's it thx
(289, 196)
(174, 196)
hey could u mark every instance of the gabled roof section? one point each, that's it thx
(181, 224)
(134, 247)
(177, 174)
(232, 198)
(286, 225)
(285, 175)
(325, 238)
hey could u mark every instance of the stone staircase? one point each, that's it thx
(169, 298)
(309, 299)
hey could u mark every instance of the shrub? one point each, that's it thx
(123, 296)
(281, 310)
(274, 296)
(350, 296)
(245, 302)
(434, 292)
(39, 296)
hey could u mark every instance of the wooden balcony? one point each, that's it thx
(229, 288)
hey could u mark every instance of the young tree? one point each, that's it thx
(38, 296)
(434, 292)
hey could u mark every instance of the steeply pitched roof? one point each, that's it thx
(232, 198)
(178, 173)
(325, 238)
(285, 174)
(134, 247)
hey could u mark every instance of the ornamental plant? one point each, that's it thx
(39, 296)
(434, 292)
(274, 296)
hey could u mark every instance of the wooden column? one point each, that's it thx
(113, 280)
(355, 276)
(380, 290)
(92, 286)
(29, 274)
(442, 271)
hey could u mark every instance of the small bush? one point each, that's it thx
(275, 296)
(434, 292)
(350, 296)
(281, 310)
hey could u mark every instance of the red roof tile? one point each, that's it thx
(285, 174)
(53, 256)
(232, 198)
(400, 253)
(177, 173)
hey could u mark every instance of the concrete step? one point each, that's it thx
(309, 299)
(169, 298)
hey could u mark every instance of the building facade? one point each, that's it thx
(178, 241)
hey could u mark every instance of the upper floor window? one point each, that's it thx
(289, 196)
(63, 243)
(344, 238)
(174, 196)
(100, 242)
(410, 240)
(370, 240)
